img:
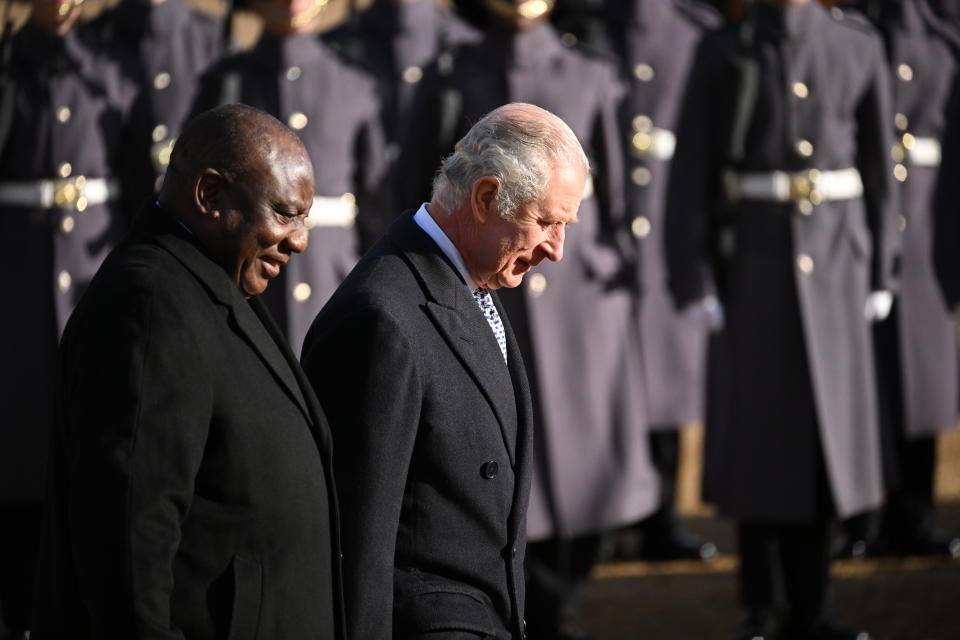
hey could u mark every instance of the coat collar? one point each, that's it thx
(461, 323)
(166, 232)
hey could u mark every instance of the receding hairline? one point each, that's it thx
(561, 135)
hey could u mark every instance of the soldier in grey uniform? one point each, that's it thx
(918, 383)
(592, 471)
(654, 41)
(787, 121)
(63, 108)
(164, 46)
(333, 107)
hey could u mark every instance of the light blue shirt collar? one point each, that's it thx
(426, 222)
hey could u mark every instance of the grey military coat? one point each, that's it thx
(791, 389)
(573, 318)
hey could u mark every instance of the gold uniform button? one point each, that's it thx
(159, 133)
(805, 148)
(900, 172)
(642, 123)
(161, 81)
(805, 207)
(805, 263)
(640, 227)
(642, 142)
(67, 224)
(900, 121)
(901, 222)
(294, 73)
(297, 120)
(538, 284)
(64, 281)
(909, 142)
(641, 176)
(412, 75)
(301, 292)
(63, 114)
(905, 72)
(897, 153)
(65, 170)
(348, 198)
(800, 90)
(643, 72)
(81, 204)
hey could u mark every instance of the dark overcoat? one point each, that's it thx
(67, 110)
(433, 434)
(792, 395)
(922, 69)
(191, 491)
(655, 42)
(573, 318)
(333, 107)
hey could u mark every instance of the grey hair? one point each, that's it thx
(519, 145)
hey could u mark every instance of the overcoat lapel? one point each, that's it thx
(459, 320)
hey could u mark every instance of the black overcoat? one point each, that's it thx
(433, 434)
(191, 491)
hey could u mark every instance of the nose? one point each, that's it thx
(553, 245)
(297, 241)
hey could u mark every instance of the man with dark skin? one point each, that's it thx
(190, 493)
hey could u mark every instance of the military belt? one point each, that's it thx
(923, 152)
(77, 192)
(333, 212)
(783, 186)
(655, 143)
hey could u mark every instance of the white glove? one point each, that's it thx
(707, 310)
(878, 306)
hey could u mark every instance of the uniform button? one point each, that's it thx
(64, 281)
(805, 207)
(81, 204)
(348, 198)
(901, 222)
(643, 72)
(159, 133)
(301, 292)
(412, 75)
(837, 13)
(63, 114)
(293, 73)
(297, 120)
(815, 197)
(641, 176)
(490, 469)
(642, 123)
(161, 81)
(901, 122)
(568, 40)
(905, 72)
(800, 90)
(538, 284)
(65, 170)
(640, 227)
(642, 142)
(805, 263)
(909, 142)
(805, 148)
(900, 172)
(897, 153)
(67, 224)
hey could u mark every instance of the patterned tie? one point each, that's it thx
(482, 296)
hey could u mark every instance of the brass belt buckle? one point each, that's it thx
(68, 193)
(803, 186)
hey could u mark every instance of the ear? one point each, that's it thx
(482, 194)
(208, 191)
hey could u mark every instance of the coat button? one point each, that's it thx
(301, 292)
(640, 227)
(159, 133)
(901, 222)
(67, 224)
(64, 170)
(901, 122)
(805, 263)
(293, 73)
(297, 120)
(805, 148)
(490, 469)
(64, 281)
(643, 72)
(905, 72)
(412, 75)
(161, 81)
(642, 123)
(641, 176)
(538, 284)
(800, 90)
(900, 172)
(63, 114)
(805, 207)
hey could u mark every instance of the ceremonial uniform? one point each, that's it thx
(808, 234)
(58, 192)
(334, 109)
(163, 47)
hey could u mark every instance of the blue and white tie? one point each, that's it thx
(482, 296)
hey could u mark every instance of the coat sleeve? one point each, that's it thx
(364, 371)
(874, 140)
(137, 402)
(946, 236)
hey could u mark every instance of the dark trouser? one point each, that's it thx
(661, 525)
(557, 574)
(19, 540)
(785, 564)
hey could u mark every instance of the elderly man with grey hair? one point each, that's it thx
(429, 404)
